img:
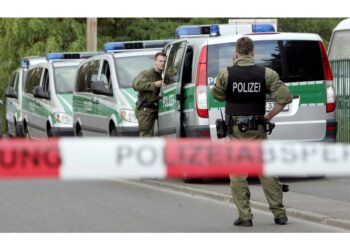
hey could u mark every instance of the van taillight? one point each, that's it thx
(330, 105)
(201, 85)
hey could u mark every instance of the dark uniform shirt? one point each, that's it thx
(144, 84)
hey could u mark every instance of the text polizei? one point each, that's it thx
(246, 87)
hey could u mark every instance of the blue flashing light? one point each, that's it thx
(197, 30)
(183, 31)
(263, 28)
(70, 55)
(54, 56)
(113, 46)
(25, 63)
(214, 30)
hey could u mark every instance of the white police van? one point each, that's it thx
(104, 98)
(47, 98)
(14, 117)
(189, 110)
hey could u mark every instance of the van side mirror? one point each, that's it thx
(11, 93)
(99, 87)
(39, 92)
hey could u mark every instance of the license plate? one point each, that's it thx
(271, 105)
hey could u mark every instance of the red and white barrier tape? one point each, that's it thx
(72, 158)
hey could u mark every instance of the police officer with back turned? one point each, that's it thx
(148, 84)
(244, 87)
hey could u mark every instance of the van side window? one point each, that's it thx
(46, 81)
(174, 61)
(33, 79)
(13, 79)
(87, 73)
(82, 78)
(16, 82)
(187, 67)
(106, 75)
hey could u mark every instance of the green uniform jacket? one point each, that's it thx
(275, 87)
(144, 84)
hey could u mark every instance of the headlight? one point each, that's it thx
(63, 118)
(128, 115)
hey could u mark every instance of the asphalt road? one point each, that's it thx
(124, 206)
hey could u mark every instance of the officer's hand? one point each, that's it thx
(158, 84)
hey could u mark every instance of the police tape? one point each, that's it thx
(132, 158)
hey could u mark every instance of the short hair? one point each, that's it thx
(160, 53)
(244, 45)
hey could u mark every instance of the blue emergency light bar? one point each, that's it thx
(197, 30)
(263, 28)
(214, 29)
(31, 60)
(70, 55)
(113, 46)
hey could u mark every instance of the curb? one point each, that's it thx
(292, 212)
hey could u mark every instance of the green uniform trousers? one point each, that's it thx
(271, 185)
(146, 118)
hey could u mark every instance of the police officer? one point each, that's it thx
(148, 84)
(244, 86)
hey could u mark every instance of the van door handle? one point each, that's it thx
(179, 97)
(94, 101)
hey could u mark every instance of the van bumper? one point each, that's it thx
(128, 131)
(58, 131)
(331, 131)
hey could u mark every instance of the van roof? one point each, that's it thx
(343, 25)
(257, 37)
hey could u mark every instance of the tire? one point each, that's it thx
(49, 132)
(26, 132)
(79, 132)
(114, 132)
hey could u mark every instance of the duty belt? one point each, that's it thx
(246, 123)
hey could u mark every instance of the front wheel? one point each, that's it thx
(114, 132)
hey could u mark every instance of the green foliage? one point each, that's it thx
(21, 37)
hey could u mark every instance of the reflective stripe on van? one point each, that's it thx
(311, 93)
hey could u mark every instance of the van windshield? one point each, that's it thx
(64, 79)
(129, 67)
(339, 48)
(294, 61)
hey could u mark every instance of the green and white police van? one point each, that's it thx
(104, 98)
(48, 95)
(188, 109)
(14, 117)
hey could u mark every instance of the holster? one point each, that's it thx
(221, 128)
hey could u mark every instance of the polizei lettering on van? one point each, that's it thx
(246, 87)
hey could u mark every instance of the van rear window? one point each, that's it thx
(294, 61)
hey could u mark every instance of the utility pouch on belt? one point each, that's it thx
(268, 126)
(243, 123)
(141, 102)
(221, 127)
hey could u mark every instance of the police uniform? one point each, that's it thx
(146, 113)
(245, 96)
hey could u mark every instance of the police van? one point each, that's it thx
(14, 117)
(47, 98)
(187, 108)
(104, 99)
